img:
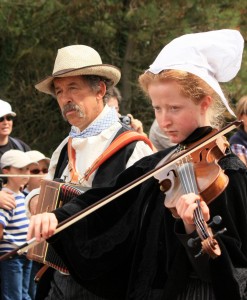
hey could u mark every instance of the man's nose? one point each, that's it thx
(65, 98)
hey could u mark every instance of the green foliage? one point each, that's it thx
(128, 34)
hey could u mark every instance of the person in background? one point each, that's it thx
(238, 140)
(158, 138)
(6, 143)
(15, 271)
(114, 99)
(80, 82)
(156, 230)
(41, 169)
(34, 183)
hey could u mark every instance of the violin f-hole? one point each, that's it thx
(166, 184)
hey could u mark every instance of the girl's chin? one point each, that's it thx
(174, 139)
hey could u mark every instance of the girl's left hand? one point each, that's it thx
(186, 206)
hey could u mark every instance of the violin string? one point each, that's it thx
(187, 177)
(198, 217)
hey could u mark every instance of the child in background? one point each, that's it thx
(15, 272)
(41, 168)
(34, 183)
(238, 141)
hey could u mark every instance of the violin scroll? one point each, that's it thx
(209, 244)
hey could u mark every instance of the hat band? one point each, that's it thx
(63, 71)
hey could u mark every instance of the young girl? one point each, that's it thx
(152, 248)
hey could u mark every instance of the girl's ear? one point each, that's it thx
(206, 103)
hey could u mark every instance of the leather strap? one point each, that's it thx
(121, 141)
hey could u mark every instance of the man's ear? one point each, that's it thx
(102, 91)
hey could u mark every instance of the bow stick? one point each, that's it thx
(93, 207)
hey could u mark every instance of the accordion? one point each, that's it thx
(52, 195)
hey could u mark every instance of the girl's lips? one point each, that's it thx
(170, 132)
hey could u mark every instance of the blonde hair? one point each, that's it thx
(191, 86)
(241, 108)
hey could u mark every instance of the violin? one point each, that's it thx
(195, 148)
(197, 173)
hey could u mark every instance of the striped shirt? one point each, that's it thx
(15, 225)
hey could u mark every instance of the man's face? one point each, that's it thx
(80, 105)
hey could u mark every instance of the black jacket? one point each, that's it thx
(134, 241)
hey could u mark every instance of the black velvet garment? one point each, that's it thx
(134, 249)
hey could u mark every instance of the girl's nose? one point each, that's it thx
(165, 120)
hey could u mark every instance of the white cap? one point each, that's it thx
(37, 156)
(214, 56)
(16, 159)
(5, 109)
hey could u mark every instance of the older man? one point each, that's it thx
(80, 82)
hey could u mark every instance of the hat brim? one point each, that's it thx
(8, 113)
(20, 165)
(104, 70)
(45, 159)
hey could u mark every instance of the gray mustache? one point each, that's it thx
(69, 107)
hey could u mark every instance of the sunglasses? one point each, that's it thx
(8, 118)
(38, 171)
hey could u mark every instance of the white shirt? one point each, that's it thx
(88, 149)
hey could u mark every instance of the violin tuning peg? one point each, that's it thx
(199, 254)
(220, 232)
(192, 242)
(216, 221)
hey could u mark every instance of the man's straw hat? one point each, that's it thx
(78, 60)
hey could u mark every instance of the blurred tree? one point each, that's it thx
(128, 34)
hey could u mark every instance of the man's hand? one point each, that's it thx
(7, 200)
(42, 226)
(136, 124)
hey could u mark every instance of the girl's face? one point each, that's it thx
(177, 115)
